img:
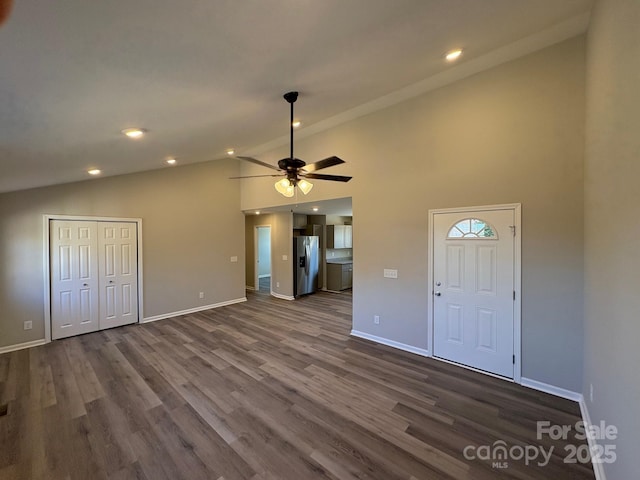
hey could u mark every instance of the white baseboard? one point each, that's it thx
(391, 343)
(598, 468)
(163, 316)
(283, 297)
(21, 346)
(551, 389)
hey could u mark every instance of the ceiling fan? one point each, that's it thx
(294, 171)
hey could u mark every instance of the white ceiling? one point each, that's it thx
(206, 75)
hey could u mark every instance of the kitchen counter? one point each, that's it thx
(340, 261)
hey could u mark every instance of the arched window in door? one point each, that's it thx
(472, 228)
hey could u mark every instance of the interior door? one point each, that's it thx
(74, 278)
(118, 247)
(263, 254)
(473, 289)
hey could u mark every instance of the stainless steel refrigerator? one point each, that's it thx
(305, 264)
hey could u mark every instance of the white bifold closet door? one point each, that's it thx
(94, 276)
(118, 273)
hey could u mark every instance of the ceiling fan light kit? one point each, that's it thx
(285, 187)
(296, 172)
(304, 186)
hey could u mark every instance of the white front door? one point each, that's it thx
(118, 254)
(74, 278)
(473, 289)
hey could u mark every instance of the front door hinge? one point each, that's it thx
(514, 359)
(513, 229)
(514, 295)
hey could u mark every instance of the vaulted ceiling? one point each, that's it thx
(203, 76)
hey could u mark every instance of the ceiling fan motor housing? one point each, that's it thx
(292, 166)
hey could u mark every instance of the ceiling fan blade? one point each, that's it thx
(256, 176)
(258, 162)
(333, 178)
(327, 162)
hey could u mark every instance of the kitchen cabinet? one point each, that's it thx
(339, 236)
(348, 236)
(339, 276)
(299, 220)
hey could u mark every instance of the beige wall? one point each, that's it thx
(511, 134)
(612, 228)
(191, 226)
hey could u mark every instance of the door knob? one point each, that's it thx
(437, 294)
(110, 281)
(85, 284)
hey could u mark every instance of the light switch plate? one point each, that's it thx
(390, 273)
(285, 257)
(234, 259)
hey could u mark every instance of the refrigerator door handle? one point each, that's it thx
(307, 252)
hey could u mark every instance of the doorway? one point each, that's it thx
(263, 258)
(475, 288)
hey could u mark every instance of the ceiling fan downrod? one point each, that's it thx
(291, 97)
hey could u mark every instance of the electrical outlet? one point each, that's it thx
(28, 325)
(591, 392)
(376, 319)
(277, 284)
(390, 273)
(201, 294)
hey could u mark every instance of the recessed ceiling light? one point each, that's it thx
(296, 123)
(230, 151)
(171, 161)
(94, 171)
(453, 55)
(134, 132)
(315, 209)
(257, 212)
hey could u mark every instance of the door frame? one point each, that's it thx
(46, 263)
(256, 256)
(517, 282)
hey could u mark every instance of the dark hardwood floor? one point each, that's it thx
(266, 389)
